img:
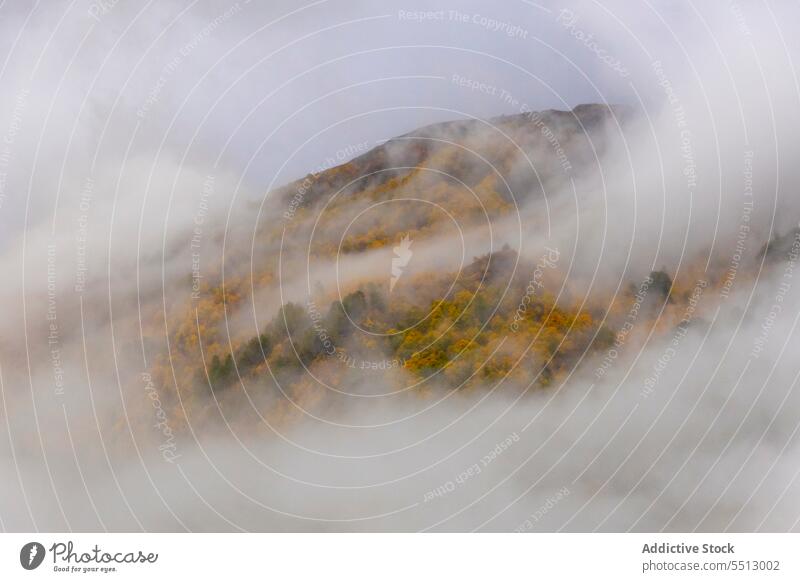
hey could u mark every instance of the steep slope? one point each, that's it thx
(498, 318)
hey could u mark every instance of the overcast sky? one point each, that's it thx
(269, 93)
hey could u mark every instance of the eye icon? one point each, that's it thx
(31, 555)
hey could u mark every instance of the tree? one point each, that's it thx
(661, 283)
(355, 305)
(254, 352)
(291, 319)
(220, 372)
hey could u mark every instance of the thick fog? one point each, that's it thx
(141, 151)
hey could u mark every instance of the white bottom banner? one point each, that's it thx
(354, 557)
